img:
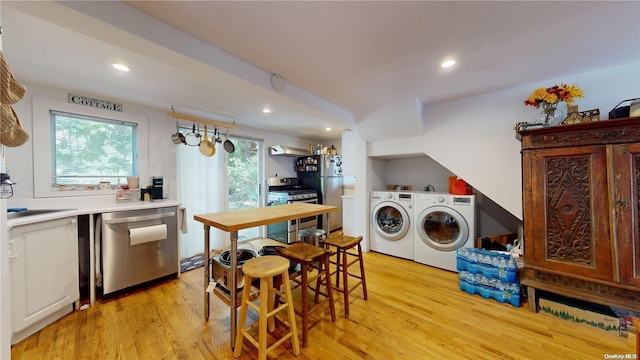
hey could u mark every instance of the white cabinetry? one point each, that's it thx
(44, 273)
(349, 226)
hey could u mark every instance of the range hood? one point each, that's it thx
(288, 151)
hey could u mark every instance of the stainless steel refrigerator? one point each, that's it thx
(323, 173)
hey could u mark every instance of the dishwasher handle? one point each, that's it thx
(140, 218)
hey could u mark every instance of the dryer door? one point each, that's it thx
(390, 220)
(442, 228)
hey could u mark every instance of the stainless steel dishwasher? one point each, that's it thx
(138, 246)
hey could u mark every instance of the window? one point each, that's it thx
(87, 150)
(80, 145)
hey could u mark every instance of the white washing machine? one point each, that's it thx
(443, 223)
(391, 223)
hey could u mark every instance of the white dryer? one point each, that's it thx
(391, 230)
(443, 223)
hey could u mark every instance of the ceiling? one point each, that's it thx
(345, 64)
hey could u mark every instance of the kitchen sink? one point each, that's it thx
(15, 215)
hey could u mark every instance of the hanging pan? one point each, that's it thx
(193, 138)
(178, 138)
(207, 148)
(228, 145)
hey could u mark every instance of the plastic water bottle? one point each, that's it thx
(512, 271)
(473, 263)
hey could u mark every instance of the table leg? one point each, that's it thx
(327, 227)
(207, 276)
(234, 287)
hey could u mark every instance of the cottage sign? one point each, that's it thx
(88, 101)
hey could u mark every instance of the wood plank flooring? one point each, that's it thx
(413, 312)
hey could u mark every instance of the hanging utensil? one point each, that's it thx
(218, 138)
(178, 137)
(207, 148)
(228, 145)
(193, 138)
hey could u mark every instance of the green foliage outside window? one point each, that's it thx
(243, 175)
(88, 150)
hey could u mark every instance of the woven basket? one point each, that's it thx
(11, 91)
(16, 135)
(7, 119)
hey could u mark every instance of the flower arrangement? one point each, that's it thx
(547, 97)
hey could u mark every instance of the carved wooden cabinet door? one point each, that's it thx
(626, 211)
(566, 209)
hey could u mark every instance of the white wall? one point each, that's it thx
(475, 139)
(418, 172)
(158, 141)
(162, 150)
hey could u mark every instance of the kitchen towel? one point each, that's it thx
(147, 234)
(182, 219)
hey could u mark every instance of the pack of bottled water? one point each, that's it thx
(490, 288)
(488, 263)
(489, 274)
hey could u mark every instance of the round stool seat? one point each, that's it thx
(265, 266)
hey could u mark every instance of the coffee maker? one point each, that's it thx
(157, 184)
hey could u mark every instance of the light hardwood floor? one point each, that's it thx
(413, 312)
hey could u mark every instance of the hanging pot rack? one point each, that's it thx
(201, 120)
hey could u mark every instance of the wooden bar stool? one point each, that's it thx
(265, 268)
(310, 257)
(344, 259)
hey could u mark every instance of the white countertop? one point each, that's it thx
(95, 207)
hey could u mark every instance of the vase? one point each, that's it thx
(550, 114)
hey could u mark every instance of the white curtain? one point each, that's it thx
(202, 189)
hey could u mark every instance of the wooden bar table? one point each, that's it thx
(234, 220)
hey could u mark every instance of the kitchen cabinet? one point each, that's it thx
(581, 208)
(349, 215)
(44, 273)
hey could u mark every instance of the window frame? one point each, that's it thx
(42, 138)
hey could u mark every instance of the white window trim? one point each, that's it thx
(42, 157)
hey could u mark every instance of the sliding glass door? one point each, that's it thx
(224, 181)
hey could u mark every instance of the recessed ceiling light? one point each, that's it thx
(266, 111)
(328, 129)
(448, 63)
(121, 67)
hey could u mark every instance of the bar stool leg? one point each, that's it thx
(364, 281)
(305, 305)
(295, 344)
(271, 321)
(327, 271)
(262, 326)
(243, 317)
(345, 278)
(338, 267)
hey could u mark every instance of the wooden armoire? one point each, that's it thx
(581, 212)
